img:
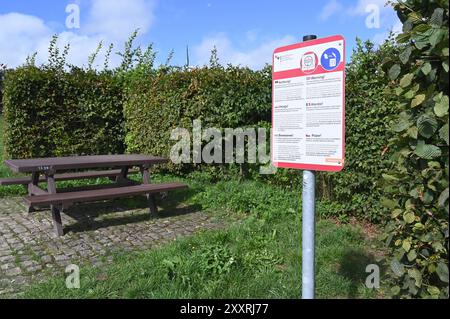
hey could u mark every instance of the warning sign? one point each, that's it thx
(308, 114)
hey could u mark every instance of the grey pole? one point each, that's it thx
(308, 226)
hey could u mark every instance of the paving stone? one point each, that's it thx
(91, 236)
(13, 271)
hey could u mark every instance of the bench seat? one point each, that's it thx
(65, 177)
(101, 194)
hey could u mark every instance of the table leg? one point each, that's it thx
(145, 170)
(56, 214)
(123, 177)
(33, 183)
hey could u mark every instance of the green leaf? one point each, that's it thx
(418, 99)
(406, 245)
(401, 125)
(426, 68)
(412, 255)
(403, 37)
(445, 66)
(427, 151)
(395, 290)
(406, 80)
(415, 17)
(421, 28)
(416, 275)
(443, 133)
(443, 197)
(442, 272)
(427, 126)
(413, 132)
(389, 177)
(437, 18)
(394, 71)
(396, 213)
(389, 203)
(434, 291)
(441, 105)
(418, 227)
(437, 36)
(405, 54)
(445, 51)
(409, 217)
(397, 268)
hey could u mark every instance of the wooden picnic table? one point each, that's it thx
(51, 169)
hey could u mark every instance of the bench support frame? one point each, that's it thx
(33, 189)
(145, 171)
(120, 180)
(56, 214)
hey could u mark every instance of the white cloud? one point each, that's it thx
(337, 8)
(363, 8)
(331, 8)
(24, 35)
(119, 18)
(362, 5)
(254, 58)
(111, 21)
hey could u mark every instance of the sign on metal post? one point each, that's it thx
(308, 113)
(308, 123)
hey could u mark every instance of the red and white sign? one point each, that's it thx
(308, 105)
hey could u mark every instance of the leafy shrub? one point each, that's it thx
(418, 181)
(230, 97)
(174, 97)
(2, 75)
(63, 110)
(58, 109)
(368, 110)
(53, 113)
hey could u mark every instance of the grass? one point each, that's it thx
(257, 256)
(248, 260)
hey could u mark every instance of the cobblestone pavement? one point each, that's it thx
(29, 247)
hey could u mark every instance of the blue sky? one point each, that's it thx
(245, 32)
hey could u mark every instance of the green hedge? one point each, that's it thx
(234, 97)
(417, 186)
(2, 74)
(53, 113)
(368, 111)
(220, 97)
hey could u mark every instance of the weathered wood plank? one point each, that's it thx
(101, 194)
(66, 177)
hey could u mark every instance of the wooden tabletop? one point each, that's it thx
(78, 162)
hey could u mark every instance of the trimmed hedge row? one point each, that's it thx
(53, 113)
(236, 97)
(220, 97)
(49, 112)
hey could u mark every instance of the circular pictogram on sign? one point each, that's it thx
(330, 59)
(309, 62)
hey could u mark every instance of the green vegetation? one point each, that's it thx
(356, 191)
(417, 184)
(396, 170)
(53, 113)
(63, 110)
(257, 256)
(6, 172)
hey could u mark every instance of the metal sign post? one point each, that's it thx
(308, 124)
(308, 226)
(308, 234)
